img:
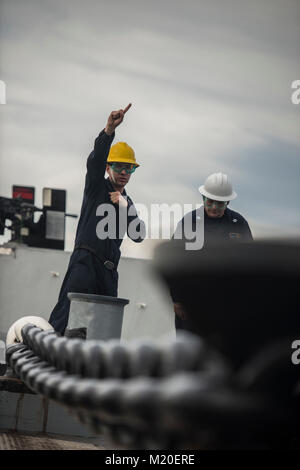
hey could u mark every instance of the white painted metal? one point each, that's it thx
(28, 287)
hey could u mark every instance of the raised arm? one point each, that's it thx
(96, 162)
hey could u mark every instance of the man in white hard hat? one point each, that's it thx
(221, 224)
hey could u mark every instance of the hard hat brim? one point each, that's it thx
(230, 197)
(121, 161)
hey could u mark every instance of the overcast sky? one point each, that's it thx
(210, 83)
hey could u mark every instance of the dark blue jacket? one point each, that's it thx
(230, 228)
(96, 192)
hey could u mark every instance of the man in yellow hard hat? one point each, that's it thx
(106, 214)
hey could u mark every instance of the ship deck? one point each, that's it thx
(25, 441)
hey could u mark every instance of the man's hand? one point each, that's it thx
(180, 311)
(117, 198)
(114, 120)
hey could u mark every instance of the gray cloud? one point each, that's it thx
(210, 86)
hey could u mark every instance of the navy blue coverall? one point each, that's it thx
(232, 227)
(87, 272)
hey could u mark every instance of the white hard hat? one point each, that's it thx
(218, 187)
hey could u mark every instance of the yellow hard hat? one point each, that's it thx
(121, 152)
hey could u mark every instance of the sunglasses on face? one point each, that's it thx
(210, 203)
(119, 167)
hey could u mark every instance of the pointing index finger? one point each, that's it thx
(127, 107)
